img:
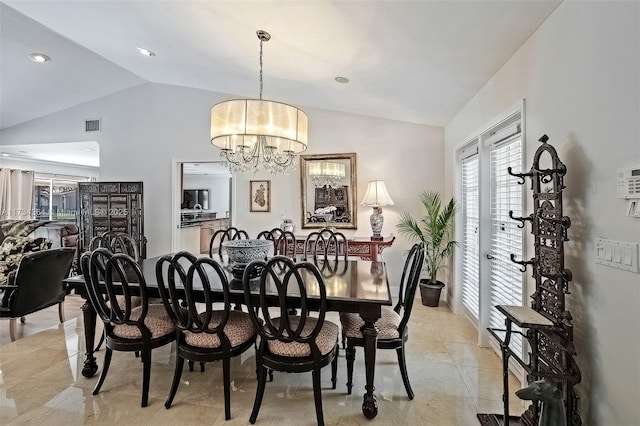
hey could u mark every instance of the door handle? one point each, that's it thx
(490, 257)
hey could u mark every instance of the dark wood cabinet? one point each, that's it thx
(111, 206)
(337, 197)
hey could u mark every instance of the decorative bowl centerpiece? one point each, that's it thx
(244, 252)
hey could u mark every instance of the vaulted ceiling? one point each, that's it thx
(415, 61)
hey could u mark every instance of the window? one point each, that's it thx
(56, 197)
(470, 233)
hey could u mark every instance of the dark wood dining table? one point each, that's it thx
(357, 286)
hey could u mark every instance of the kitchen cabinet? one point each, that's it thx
(207, 229)
(190, 239)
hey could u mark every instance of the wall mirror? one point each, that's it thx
(328, 190)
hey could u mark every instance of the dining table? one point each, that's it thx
(357, 286)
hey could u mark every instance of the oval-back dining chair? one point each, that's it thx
(127, 328)
(222, 235)
(210, 335)
(290, 343)
(392, 325)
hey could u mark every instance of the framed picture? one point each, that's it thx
(260, 193)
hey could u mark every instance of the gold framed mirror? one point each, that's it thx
(328, 189)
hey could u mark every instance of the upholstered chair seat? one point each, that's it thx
(326, 339)
(157, 321)
(238, 329)
(387, 324)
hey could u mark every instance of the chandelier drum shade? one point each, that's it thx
(326, 174)
(254, 131)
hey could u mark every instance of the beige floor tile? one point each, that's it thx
(41, 381)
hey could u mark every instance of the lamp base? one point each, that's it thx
(376, 220)
(377, 238)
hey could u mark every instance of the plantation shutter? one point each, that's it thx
(506, 237)
(470, 241)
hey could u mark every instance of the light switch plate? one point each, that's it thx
(617, 254)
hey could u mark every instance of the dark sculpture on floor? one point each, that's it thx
(553, 411)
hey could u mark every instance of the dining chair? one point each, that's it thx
(222, 235)
(290, 343)
(393, 332)
(127, 328)
(284, 242)
(328, 250)
(119, 242)
(211, 335)
(326, 244)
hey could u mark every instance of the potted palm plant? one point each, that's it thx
(435, 231)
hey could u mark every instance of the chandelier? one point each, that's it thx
(326, 173)
(256, 132)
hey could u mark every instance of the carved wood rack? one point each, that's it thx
(548, 324)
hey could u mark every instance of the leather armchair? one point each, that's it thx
(36, 284)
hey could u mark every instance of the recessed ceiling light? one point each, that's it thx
(4, 154)
(39, 57)
(342, 79)
(145, 52)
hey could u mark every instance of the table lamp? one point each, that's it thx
(376, 197)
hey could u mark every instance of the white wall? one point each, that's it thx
(580, 76)
(145, 127)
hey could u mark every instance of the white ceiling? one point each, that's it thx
(416, 61)
(75, 153)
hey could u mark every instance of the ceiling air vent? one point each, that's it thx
(92, 125)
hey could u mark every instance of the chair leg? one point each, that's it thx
(262, 382)
(226, 379)
(403, 371)
(61, 311)
(202, 366)
(146, 376)
(351, 357)
(317, 396)
(105, 368)
(177, 374)
(12, 329)
(191, 363)
(334, 371)
(23, 319)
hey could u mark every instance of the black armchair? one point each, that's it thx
(36, 284)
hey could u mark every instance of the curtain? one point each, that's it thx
(16, 194)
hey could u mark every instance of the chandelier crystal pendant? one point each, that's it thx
(254, 133)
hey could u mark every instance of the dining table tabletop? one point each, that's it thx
(358, 286)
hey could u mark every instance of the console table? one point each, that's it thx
(361, 247)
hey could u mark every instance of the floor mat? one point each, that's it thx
(497, 420)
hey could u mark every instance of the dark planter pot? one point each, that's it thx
(430, 292)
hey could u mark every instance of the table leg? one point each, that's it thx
(89, 315)
(370, 334)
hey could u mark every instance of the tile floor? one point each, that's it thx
(40, 381)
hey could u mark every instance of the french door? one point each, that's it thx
(487, 235)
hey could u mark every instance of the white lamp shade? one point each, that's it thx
(377, 195)
(240, 122)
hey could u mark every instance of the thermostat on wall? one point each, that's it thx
(629, 183)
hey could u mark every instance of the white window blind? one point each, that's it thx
(470, 249)
(506, 237)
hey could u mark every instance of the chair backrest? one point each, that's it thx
(408, 283)
(281, 277)
(116, 242)
(284, 242)
(39, 280)
(117, 273)
(171, 275)
(222, 235)
(326, 244)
